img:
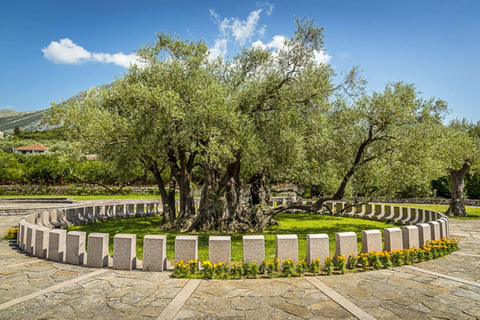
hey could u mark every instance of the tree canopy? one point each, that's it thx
(242, 123)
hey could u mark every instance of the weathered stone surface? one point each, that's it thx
(286, 247)
(155, 253)
(346, 244)
(186, 248)
(98, 250)
(393, 239)
(443, 228)
(254, 248)
(410, 237)
(41, 242)
(219, 249)
(317, 247)
(75, 252)
(124, 251)
(30, 239)
(371, 241)
(424, 233)
(57, 245)
(435, 228)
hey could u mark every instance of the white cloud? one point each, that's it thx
(67, 52)
(240, 30)
(322, 57)
(270, 7)
(219, 49)
(343, 55)
(278, 42)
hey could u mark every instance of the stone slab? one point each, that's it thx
(317, 247)
(286, 247)
(186, 248)
(410, 237)
(154, 253)
(219, 249)
(346, 244)
(124, 251)
(57, 245)
(98, 253)
(393, 239)
(371, 241)
(254, 248)
(75, 252)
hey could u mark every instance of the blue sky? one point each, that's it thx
(434, 44)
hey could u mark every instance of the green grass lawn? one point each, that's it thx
(473, 212)
(290, 223)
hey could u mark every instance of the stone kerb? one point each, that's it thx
(410, 237)
(41, 242)
(154, 253)
(424, 233)
(57, 245)
(317, 247)
(286, 247)
(124, 251)
(186, 248)
(371, 241)
(346, 244)
(219, 248)
(393, 239)
(254, 248)
(98, 254)
(75, 252)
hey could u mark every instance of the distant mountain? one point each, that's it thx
(26, 120)
(31, 120)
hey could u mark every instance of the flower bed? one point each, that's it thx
(11, 234)
(339, 265)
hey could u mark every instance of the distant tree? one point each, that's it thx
(17, 131)
(461, 154)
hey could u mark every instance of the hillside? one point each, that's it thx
(27, 120)
(31, 120)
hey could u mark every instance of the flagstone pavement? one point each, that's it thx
(447, 288)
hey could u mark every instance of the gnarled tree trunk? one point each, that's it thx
(457, 184)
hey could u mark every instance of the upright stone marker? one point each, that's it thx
(57, 245)
(219, 249)
(30, 239)
(393, 239)
(41, 242)
(346, 244)
(371, 241)
(317, 247)
(154, 253)
(424, 233)
(443, 228)
(76, 247)
(124, 251)
(98, 250)
(286, 247)
(186, 248)
(410, 237)
(435, 228)
(254, 248)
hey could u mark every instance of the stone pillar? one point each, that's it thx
(424, 233)
(110, 212)
(286, 247)
(30, 239)
(219, 249)
(254, 248)
(57, 244)
(155, 253)
(150, 209)
(371, 241)
(393, 239)
(346, 244)
(120, 211)
(435, 228)
(21, 234)
(41, 242)
(125, 251)
(140, 209)
(131, 210)
(389, 214)
(76, 247)
(100, 213)
(410, 237)
(443, 228)
(186, 248)
(90, 214)
(317, 247)
(98, 251)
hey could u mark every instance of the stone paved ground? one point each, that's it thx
(386, 294)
